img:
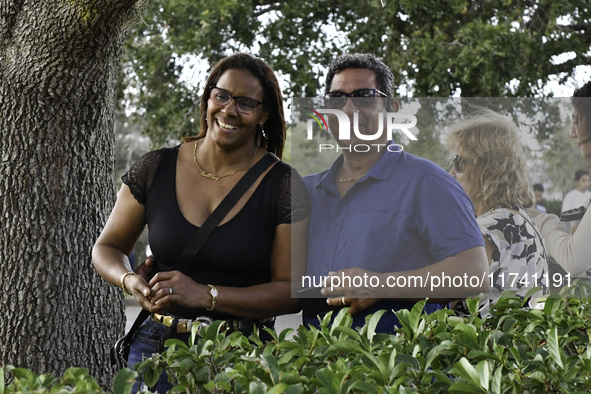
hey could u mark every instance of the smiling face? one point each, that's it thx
(228, 127)
(350, 80)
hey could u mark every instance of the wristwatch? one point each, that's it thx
(213, 292)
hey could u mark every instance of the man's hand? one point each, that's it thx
(356, 298)
(146, 269)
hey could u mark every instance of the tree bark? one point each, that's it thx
(58, 67)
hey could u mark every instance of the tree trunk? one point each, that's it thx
(58, 67)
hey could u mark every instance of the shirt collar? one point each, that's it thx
(382, 170)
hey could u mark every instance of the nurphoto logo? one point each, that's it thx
(395, 121)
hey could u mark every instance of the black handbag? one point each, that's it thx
(120, 350)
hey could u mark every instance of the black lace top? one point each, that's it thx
(237, 253)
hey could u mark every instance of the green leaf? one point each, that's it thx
(283, 388)
(370, 326)
(462, 387)
(348, 331)
(124, 380)
(344, 347)
(482, 369)
(551, 306)
(270, 363)
(553, 347)
(343, 318)
(151, 375)
(257, 388)
(496, 383)
(464, 369)
(326, 377)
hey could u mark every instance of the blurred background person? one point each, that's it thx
(490, 163)
(572, 251)
(539, 194)
(580, 196)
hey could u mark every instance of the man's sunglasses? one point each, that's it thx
(244, 104)
(458, 163)
(360, 97)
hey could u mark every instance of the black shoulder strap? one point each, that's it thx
(190, 251)
(213, 220)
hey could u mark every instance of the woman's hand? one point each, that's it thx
(137, 286)
(174, 287)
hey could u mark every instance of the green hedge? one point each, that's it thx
(517, 349)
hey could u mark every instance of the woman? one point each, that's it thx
(490, 164)
(572, 251)
(242, 272)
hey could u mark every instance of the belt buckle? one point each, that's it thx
(183, 325)
(186, 325)
(166, 320)
(203, 321)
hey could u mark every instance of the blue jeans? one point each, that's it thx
(145, 343)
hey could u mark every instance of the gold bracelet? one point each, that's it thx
(213, 292)
(123, 280)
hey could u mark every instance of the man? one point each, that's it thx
(380, 212)
(539, 192)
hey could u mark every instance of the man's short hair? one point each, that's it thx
(580, 173)
(384, 77)
(538, 187)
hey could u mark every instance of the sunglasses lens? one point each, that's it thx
(335, 102)
(363, 101)
(458, 163)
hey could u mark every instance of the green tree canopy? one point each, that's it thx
(474, 48)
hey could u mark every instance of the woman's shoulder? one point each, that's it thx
(141, 174)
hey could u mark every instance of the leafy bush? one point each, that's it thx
(516, 349)
(74, 380)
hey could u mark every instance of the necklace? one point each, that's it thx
(350, 179)
(342, 179)
(215, 177)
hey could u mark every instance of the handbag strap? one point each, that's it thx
(222, 210)
(192, 248)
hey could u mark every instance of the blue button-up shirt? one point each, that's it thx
(405, 213)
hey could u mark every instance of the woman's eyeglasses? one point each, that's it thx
(360, 97)
(244, 104)
(458, 163)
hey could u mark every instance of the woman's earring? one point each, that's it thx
(262, 129)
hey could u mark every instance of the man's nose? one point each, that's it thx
(350, 108)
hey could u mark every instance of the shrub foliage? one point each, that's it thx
(516, 349)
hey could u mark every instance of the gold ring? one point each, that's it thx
(343, 301)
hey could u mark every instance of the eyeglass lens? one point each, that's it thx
(244, 104)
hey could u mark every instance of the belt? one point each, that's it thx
(186, 325)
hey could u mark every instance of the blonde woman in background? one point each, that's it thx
(490, 163)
